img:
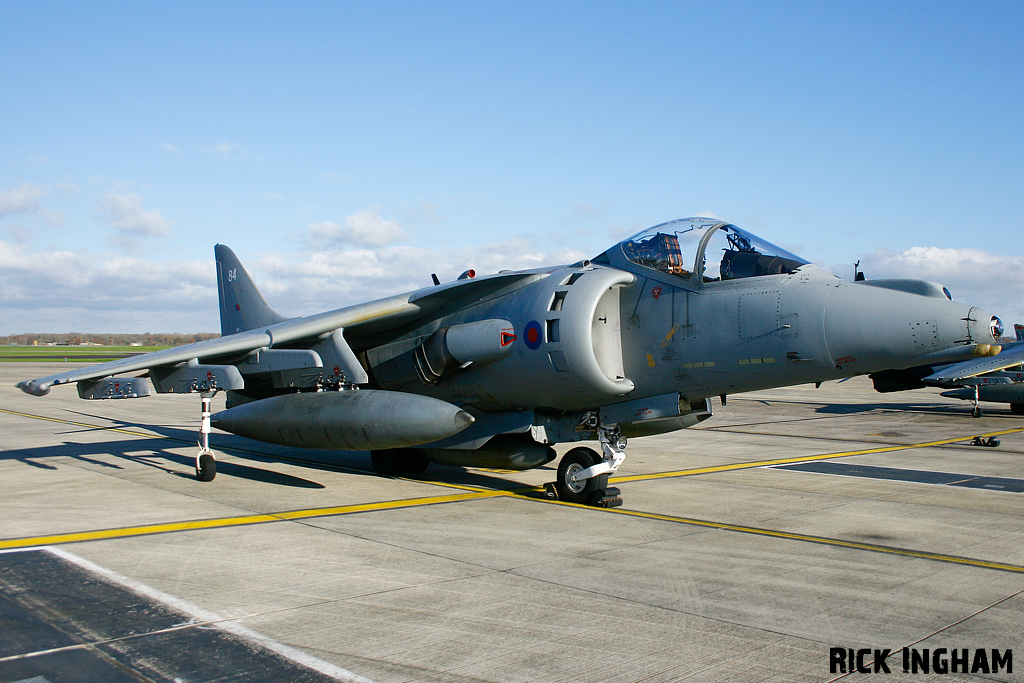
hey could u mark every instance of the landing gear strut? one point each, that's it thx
(583, 472)
(206, 463)
(976, 411)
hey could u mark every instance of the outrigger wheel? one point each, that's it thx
(593, 491)
(206, 466)
(206, 463)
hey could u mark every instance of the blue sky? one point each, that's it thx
(346, 151)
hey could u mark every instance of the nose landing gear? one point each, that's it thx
(583, 472)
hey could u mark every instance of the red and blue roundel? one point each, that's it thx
(532, 336)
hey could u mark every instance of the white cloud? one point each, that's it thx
(170, 149)
(123, 211)
(994, 282)
(328, 279)
(22, 200)
(63, 291)
(18, 233)
(364, 228)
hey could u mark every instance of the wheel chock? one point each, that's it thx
(608, 498)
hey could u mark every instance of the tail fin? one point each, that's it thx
(242, 307)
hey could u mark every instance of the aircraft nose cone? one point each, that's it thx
(870, 328)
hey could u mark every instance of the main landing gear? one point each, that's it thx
(976, 411)
(583, 472)
(394, 462)
(206, 463)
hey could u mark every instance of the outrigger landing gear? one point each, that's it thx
(206, 463)
(976, 412)
(583, 472)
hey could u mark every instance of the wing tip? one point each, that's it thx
(34, 387)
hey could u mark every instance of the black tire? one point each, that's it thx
(206, 467)
(414, 462)
(1017, 408)
(584, 492)
(387, 463)
(976, 412)
(393, 462)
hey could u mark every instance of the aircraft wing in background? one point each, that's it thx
(979, 371)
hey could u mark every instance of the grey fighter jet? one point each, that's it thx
(492, 371)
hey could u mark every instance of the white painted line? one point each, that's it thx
(229, 625)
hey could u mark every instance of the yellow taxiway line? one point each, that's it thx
(82, 424)
(803, 458)
(243, 520)
(824, 540)
(473, 493)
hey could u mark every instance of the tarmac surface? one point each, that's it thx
(793, 521)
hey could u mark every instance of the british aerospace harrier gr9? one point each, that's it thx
(492, 371)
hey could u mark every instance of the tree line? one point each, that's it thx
(119, 339)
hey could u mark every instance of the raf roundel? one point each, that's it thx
(532, 335)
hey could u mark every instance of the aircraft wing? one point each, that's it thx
(383, 313)
(1012, 355)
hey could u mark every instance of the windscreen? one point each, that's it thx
(670, 247)
(730, 253)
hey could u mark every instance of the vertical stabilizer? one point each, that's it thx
(242, 307)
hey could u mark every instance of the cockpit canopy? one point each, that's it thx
(703, 250)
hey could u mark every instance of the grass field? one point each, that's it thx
(71, 354)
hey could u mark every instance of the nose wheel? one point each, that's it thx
(570, 486)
